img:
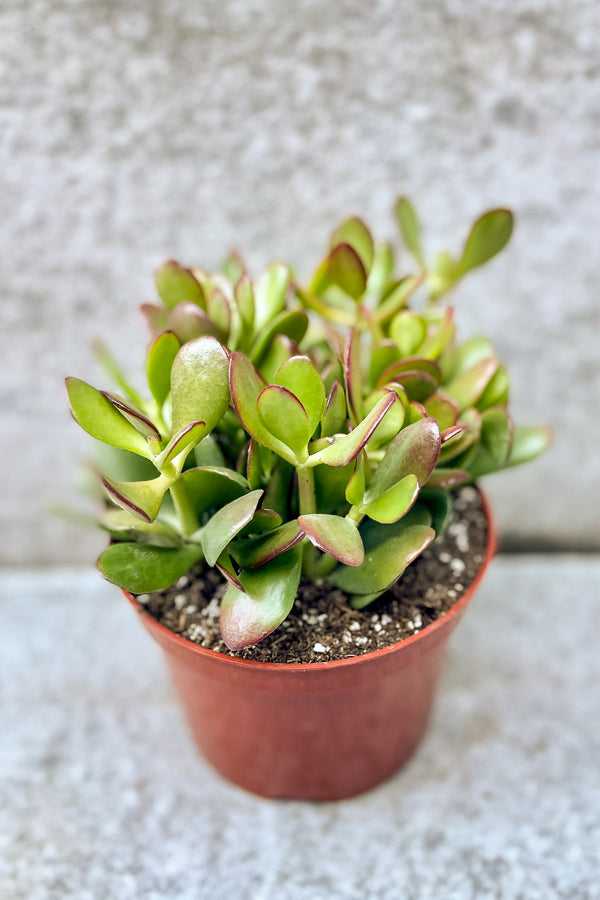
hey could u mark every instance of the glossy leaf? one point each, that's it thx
(300, 377)
(334, 535)
(443, 409)
(270, 293)
(496, 393)
(410, 228)
(188, 322)
(447, 478)
(186, 439)
(528, 442)
(452, 449)
(334, 415)
(391, 424)
(355, 233)
(212, 486)
(346, 270)
(280, 350)
(394, 503)
(134, 415)
(389, 549)
(256, 551)
(176, 284)
(161, 355)
(414, 451)
(284, 417)
(291, 324)
(353, 375)
(98, 416)
(355, 489)
(143, 498)
(438, 503)
(269, 592)
(226, 523)
(344, 449)
(467, 387)
(263, 521)
(383, 356)
(219, 312)
(141, 568)
(408, 330)
(246, 386)
(488, 236)
(124, 526)
(496, 434)
(199, 383)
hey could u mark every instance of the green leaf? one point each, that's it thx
(389, 427)
(470, 352)
(359, 601)
(246, 385)
(488, 236)
(212, 486)
(453, 448)
(438, 502)
(443, 409)
(393, 503)
(269, 592)
(355, 233)
(284, 417)
(496, 434)
(300, 377)
(342, 451)
(383, 356)
(408, 330)
(226, 523)
(186, 439)
(133, 415)
(141, 568)
(330, 485)
(143, 498)
(188, 322)
(217, 306)
(97, 415)
(414, 450)
(200, 383)
(208, 452)
(124, 526)
(353, 374)
(263, 520)
(334, 415)
(157, 317)
(161, 355)
(447, 478)
(244, 297)
(528, 442)
(270, 293)
(334, 535)
(467, 387)
(382, 270)
(396, 297)
(410, 228)
(291, 324)
(346, 270)
(256, 551)
(496, 393)
(355, 488)
(176, 284)
(389, 549)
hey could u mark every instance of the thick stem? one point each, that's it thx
(183, 507)
(306, 490)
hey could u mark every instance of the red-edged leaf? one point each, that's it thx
(334, 535)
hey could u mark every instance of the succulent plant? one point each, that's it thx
(298, 430)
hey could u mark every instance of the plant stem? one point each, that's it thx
(306, 490)
(183, 507)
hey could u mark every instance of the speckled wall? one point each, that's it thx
(132, 132)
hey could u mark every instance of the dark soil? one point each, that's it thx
(321, 625)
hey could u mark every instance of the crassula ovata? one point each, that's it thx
(293, 429)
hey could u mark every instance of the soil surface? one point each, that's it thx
(321, 625)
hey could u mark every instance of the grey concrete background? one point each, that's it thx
(133, 132)
(103, 796)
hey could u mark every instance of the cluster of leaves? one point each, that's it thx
(302, 429)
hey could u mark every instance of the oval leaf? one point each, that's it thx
(226, 523)
(269, 592)
(346, 270)
(176, 284)
(355, 233)
(300, 377)
(343, 450)
(143, 498)
(212, 486)
(284, 417)
(334, 535)
(393, 503)
(414, 451)
(200, 383)
(488, 236)
(161, 355)
(141, 568)
(246, 386)
(97, 415)
(409, 227)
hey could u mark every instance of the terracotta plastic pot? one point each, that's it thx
(321, 731)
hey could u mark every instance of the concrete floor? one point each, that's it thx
(103, 797)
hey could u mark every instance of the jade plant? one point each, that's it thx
(294, 430)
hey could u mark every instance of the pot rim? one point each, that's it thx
(255, 664)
